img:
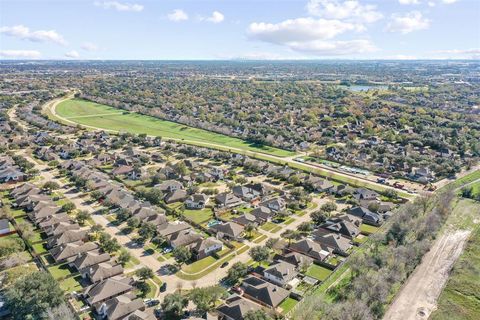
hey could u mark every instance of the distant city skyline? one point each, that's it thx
(233, 29)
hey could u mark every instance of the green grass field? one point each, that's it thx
(199, 216)
(102, 116)
(318, 272)
(464, 180)
(287, 305)
(368, 229)
(461, 297)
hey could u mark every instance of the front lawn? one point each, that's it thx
(318, 272)
(199, 265)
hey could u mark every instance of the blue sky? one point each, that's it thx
(246, 29)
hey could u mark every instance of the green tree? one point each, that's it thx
(318, 217)
(108, 243)
(96, 195)
(143, 287)
(9, 246)
(51, 185)
(305, 227)
(249, 228)
(205, 298)
(133, 222)
(31, 296)
(236, 272)
(260, 253)
(124, 256)
(182, 254)
(173, 305)
(147, 231)
(291, 235)
(82, 216)
(329, 207)
(256, 315)
(68, 207)
(144, 273)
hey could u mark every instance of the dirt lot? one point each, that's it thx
(417, 299)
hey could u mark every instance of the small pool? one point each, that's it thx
(212, 223)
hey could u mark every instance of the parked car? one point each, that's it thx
(223, 265)
(152, 302)
(163, 287)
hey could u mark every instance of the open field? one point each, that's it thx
(102, 116)
(469, 178)
(418, 297)
(461, 298)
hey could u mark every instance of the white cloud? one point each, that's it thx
(409, 1)
(449, 1)
(348, 10)
(309, 35)
(88, 46)
(409, 22)
(333, 48)
(24, 33)
(216, 17)
(401, 57)
(72, 54)
(177, 15)
(460, 51)
(299, 30)
(119, 6)
(20, 54)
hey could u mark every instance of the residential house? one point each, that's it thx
(263, 214)
(280, 273)
(88, 259)
(102, 291)
(263, 292)
(366, 215)
(196, 201)
(348, 226)
(71, 250)
(227, 200)
(298, 259)
(245, 193)
(276, 204)
(228, 230)
(101, 271)
(340, 244)
(11, 174)
(236, 307)
(178, 195)
(365, 194)
(313, 249)
(121, 307)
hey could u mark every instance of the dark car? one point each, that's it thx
(163, 287)
(152, 303)
(223, 265)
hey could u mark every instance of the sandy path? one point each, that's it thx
(417, 299)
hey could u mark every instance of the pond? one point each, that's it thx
(358, 88)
